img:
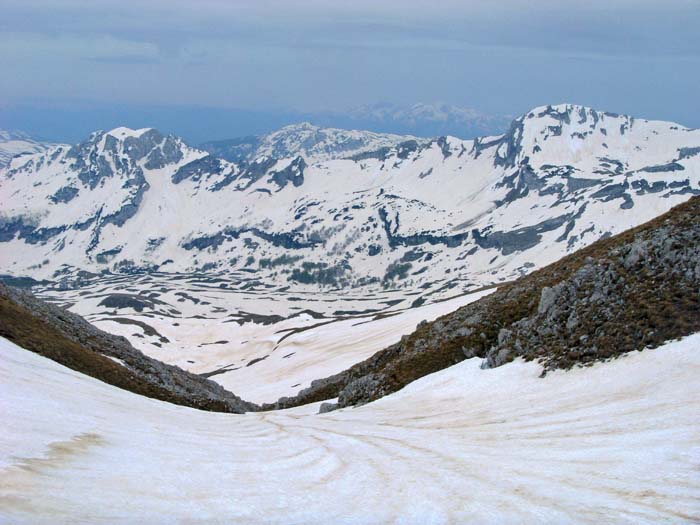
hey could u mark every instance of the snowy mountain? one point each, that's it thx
(421, 215)
(326, 141)
(313, 143)
(13, 143)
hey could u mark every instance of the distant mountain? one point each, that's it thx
(427, 120)
(313, 143)
(343, 209)
(321, 138)
(13, 143)
(203, 124)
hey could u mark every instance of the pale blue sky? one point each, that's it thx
(86, 58)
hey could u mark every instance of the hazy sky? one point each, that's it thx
(502, 57)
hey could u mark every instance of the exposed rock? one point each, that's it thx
(327, 407)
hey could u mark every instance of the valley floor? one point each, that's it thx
(617, 442)
(261, 345)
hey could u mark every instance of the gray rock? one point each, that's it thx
(635, 254)
(547, 299)
(496, 358)
(327, 407)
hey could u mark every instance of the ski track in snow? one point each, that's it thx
(618, 442)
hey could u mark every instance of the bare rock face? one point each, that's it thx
(70, 340)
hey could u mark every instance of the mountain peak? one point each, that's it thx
(298, 127)
(123, 132)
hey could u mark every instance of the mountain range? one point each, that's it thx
(421, 119)
(312, 207)
(199, 124)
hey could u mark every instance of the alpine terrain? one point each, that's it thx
(431, 330)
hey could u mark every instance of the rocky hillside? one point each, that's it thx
(417, 215)
(70, 340)
(626, 293)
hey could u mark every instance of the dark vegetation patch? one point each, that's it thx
(396, 270)
(321, 274)
(220, 371)
(107, 255)
(629, 292)
(242, 317)
(282, 260)
(21, 282)
(288, 332)
(256, 360)
(395, 239)
(135, 302)
(147, 329)
(186, 297)
(289, 240)
(354, 313)
(68, 339)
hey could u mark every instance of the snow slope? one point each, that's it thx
(262, 362)
(615, 443)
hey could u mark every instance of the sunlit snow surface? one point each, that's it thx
(618, 442)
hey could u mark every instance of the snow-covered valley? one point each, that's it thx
(260, 344)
